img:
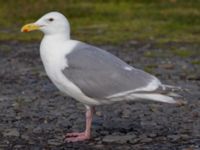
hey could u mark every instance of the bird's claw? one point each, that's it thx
(74, 137)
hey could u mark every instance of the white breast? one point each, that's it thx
(53, 56)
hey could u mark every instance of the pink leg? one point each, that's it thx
(76, 136)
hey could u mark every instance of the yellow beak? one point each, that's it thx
(30, 27)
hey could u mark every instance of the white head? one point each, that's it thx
(50, 24)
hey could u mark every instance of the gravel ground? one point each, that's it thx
(35, 115)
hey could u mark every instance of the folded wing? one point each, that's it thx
(101, 75)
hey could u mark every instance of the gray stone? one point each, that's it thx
(118, 139)
(54, 142)
(99, 146)
(25, 137)
(144, 139)
(37, 130)
(11, 132)
(174, 137)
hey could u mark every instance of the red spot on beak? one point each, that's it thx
(25, 30)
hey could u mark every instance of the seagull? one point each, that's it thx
(90, 74)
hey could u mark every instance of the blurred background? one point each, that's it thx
(108, 21)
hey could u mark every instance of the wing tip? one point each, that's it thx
(159, 98)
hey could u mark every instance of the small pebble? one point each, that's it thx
(118, 139)
(11, 132)
(54, 142)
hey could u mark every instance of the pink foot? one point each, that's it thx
(82, 136)
(74, 137)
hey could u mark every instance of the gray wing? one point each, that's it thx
(100, 74)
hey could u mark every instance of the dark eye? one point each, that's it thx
(51, 19)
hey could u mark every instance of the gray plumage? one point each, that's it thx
(100, 74)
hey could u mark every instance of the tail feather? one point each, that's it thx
(154, 97)
(164, 94)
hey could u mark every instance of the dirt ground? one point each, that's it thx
(34, 115)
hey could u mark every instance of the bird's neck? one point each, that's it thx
(59, 37)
